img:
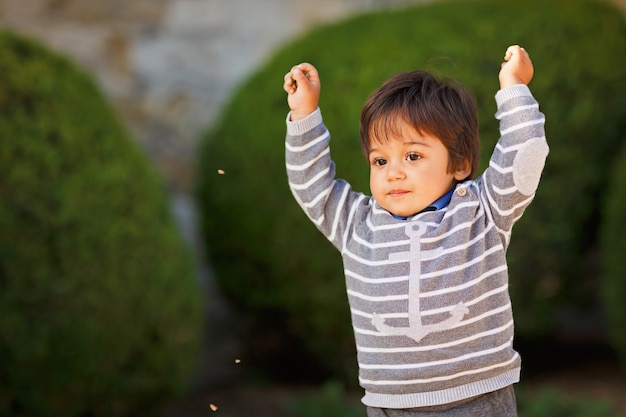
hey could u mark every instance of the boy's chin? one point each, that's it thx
(403, 213)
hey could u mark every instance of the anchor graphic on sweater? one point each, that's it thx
(416, 330)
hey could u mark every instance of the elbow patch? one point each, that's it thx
(528, 165)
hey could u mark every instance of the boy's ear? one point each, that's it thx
(463, 171)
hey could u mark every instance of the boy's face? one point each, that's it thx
(409, 171)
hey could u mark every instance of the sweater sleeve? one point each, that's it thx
(511, 180)
(311, 173)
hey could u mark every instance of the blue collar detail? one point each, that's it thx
(442, 201)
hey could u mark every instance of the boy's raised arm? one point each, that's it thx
(517, 67)
(302, 85)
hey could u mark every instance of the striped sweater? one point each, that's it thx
(428, 295)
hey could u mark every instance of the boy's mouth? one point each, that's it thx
(397, 193)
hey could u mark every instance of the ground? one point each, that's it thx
(593, 378)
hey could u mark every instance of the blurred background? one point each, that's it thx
(169, 65)
(175, 75)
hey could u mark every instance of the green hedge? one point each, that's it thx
(287, 280)
(99, 311)
(613, 252)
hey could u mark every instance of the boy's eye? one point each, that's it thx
(413, 156)
(379, 162)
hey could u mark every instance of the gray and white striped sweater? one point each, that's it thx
(428, 295)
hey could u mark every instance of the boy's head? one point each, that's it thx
(415, 128)
(443, 109)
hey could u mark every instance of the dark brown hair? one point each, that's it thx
(443, 109)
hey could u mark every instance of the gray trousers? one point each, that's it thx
(499, 403)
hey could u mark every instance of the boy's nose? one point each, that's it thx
(395, 172)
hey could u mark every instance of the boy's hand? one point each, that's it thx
(517, 67)
(302, 85)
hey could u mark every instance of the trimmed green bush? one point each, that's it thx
(287, 280)
(99, 312)
(613, 250)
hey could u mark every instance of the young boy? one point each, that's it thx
(424, 256)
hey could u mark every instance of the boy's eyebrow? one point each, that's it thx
(417, 142)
